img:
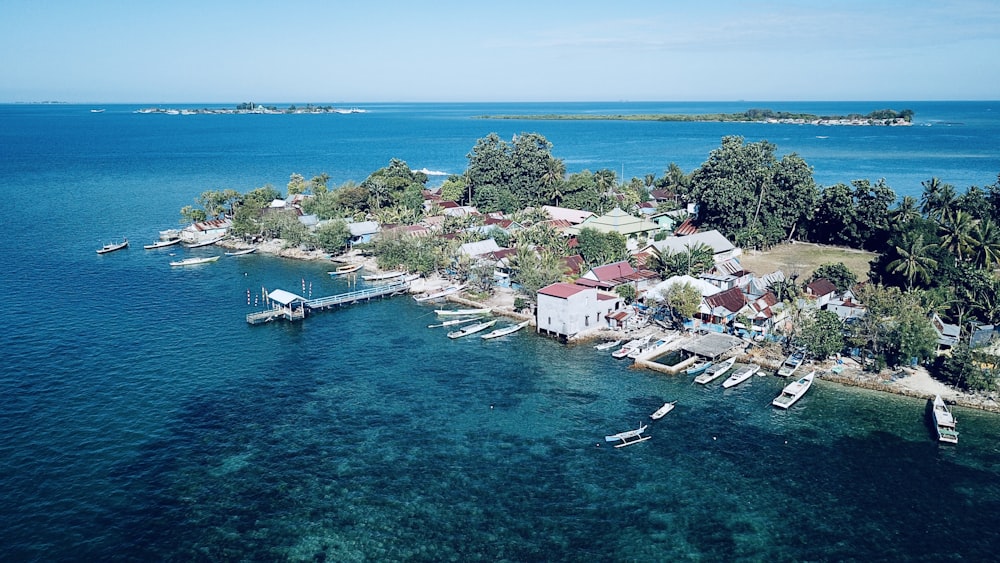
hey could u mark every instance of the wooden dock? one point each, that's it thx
(298, 310)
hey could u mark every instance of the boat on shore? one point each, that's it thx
(161, 244)
(243, 252)
(471, 329)
(740, 375)
(345, 269)
(699, 368)
(194, 261)
(204, 243)
(113, 247)
(660, 412)
(505, 331)
(439, 294)
(607, 345)
(794, 391)
(384, 276)
(944, 422)
(454, 322)
(630, 346)
(715, 371)
(461, 312)
(628, 437)
(791, 364)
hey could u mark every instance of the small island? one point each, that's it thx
(883, 117)
(252, 108)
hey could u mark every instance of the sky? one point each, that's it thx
(301, 51)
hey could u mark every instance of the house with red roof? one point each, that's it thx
(821, 290)
(610, 276)
(565, 309)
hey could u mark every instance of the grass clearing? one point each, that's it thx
(803, 258)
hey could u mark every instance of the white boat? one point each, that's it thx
(944, 422)
(383, 277)
(645, 347)
(243, 252)
(345, 269)
(101, 110)
(113, 247)
(194, 261)
(715, 371)
(740, 375)
(472, 329)
(204, 243)
(161, 244)
(455, 322)
(607, 345)
(667, 407)
(794, 391)
(505, 331)
(791, 364)
(630, 346)
(460, 312)
(438, 295)
(628, 438)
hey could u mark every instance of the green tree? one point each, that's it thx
(914, 262)
(626, 292)
(682, 299)
(533, 269)
(297, 184)
(957, 233)
(318, 184)
(986, 244)
(599, 248)
(333, 236)
(838, 274)
(961, 369)
(822, 334)
(191, 214)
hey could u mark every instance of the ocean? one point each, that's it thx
(143, 419)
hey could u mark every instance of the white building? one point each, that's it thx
(565, 309)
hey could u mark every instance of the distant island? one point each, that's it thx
(887, 117)
(250, 107)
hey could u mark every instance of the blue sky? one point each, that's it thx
(382, 51)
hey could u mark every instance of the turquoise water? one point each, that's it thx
(145, 420)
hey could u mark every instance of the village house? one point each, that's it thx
(571, 216)
(564, 309)
(722, 249)
(363, 231)
(204, 231)
(636, 230)
(821, 291)
(611, 276)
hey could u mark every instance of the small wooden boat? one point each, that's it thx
(667, 407)
(505, 331)
(740, 375)
(460, 312)
(472, 329)
(243, 252)
(383, 277)
(630, 346)
(698, 368)
(628, 438)
(161, 244)
(346, 269)
(204, 243)
(715, 371)
(607, 345)
(794, 391)
(944, 422)
(453, 322)
(791, 364)
(438, 295)
(113, 247)
(194, 261)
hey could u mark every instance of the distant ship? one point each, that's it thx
(97, 111)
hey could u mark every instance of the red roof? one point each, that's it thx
(731, 299)
(574, 264)
(821, 287)
(686, 228)
(614, 271)
(561, 290)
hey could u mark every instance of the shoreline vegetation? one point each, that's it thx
(886, 117)
(251, 108)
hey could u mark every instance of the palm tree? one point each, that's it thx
(908, 210)
(986, 244)
(913, 261)
(700, 258)
(956, 233)
(553, 178)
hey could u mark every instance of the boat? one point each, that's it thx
(715, 371)
(791, 364)
(460, 312)
(98, 110)
(607, 345)
(645, 347)
(667, 407)
(628, 437)
(243, 252)
(794, 391)
(630, 346)
(944, 422)
(383, 277)
(194, 261)
(740, 375)
(699, 368)
(345, 269)
(455, 322)
(472, 329)
(161, 244)
(438, 295)
(113, 247)
(204, 243)
(505, 331)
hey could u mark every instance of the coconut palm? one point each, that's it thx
(956, 233)
(913, 261)
(908, 210)
(986, 244)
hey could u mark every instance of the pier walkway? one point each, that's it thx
(292, 307)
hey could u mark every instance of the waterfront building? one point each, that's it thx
(565, 309)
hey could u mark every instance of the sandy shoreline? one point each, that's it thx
(911, 382)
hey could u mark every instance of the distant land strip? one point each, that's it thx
(878, 117)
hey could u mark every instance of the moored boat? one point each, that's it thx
(453, 322)
(161, 244)
(628, 437)
(345, 269)
(209, 242)
(243, 252)
(194, 261)
(439, 294)
(944, 422)
(607, 345)
(383, 276)
(472, 329)
(113, 247)
(631, 345)
(460, 312)
(794, 391)
(791, 364)
(715, 371)
(699, 368)
(505, 331)
(660, 412)
(740, 375)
